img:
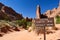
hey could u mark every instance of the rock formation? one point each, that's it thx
(38, 13)
(53, 13)
(8, 13)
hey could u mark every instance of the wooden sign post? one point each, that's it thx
(49, 22)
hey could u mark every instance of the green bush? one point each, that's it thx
(22, 23)
(29, 23)
(58, 19)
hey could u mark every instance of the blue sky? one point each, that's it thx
(28, 7)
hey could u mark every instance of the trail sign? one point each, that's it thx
(44, 22)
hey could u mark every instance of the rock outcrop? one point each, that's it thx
(8, 13)
(38, 13)
(53, 13)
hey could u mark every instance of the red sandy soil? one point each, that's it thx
(25, 35)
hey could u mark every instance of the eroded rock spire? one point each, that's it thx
(59, 5)
(38, 13)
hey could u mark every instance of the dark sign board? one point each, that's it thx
(44, 22)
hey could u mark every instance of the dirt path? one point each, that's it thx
(22, 35)
(25, 35)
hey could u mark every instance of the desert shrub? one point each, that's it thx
(25, 24)
(48, 31)
(4, 22)
(22, 23)
(58, 19)
(29, 24)
(55, 28)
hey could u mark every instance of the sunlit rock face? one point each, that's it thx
(38, 13)
(8, 13)
(48, 13)
(53, 13)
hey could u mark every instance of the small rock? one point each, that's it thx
(16, 29)
(1, 35)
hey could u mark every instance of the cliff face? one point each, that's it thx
(8, 13)
(53, 13)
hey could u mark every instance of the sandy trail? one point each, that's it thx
(22, 35)
(25, 35)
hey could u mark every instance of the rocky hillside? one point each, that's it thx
(53, 13)
(7, 13)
